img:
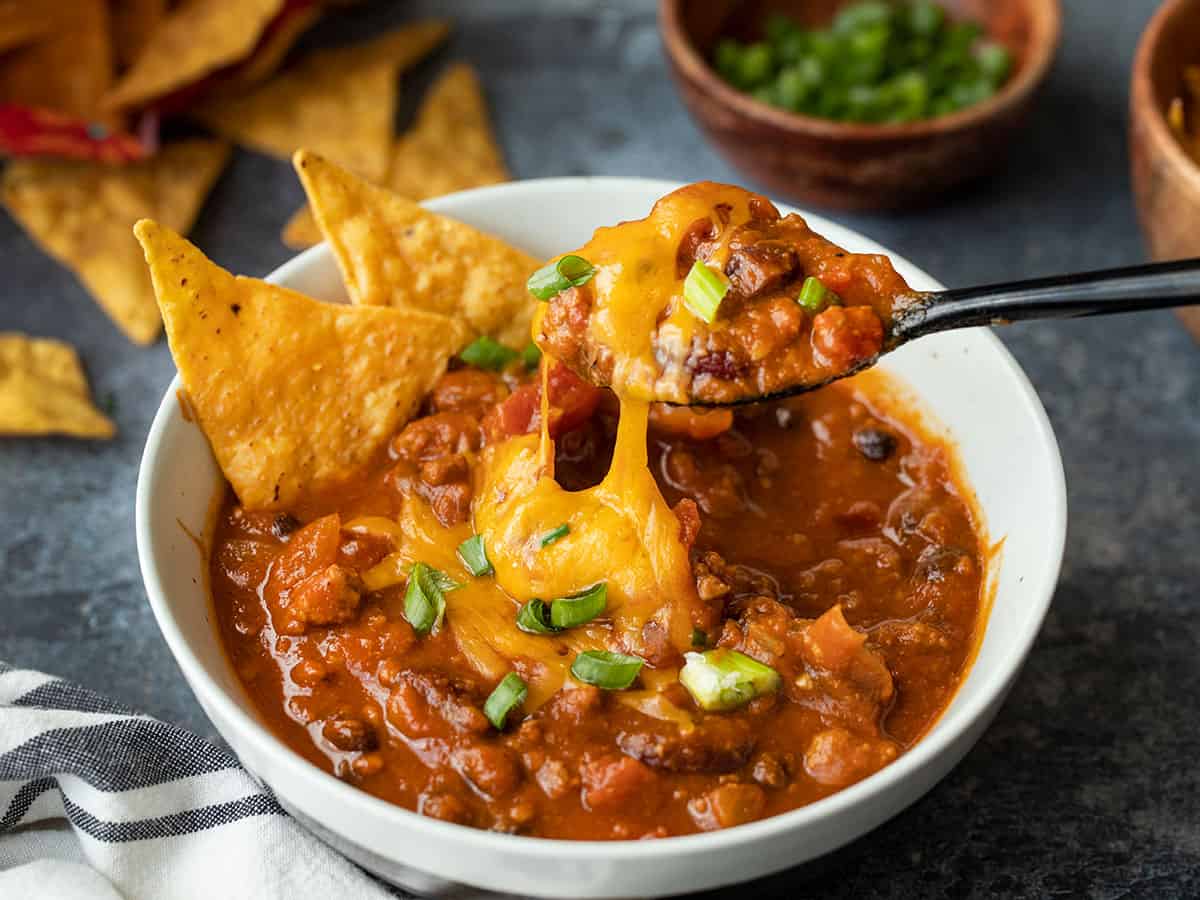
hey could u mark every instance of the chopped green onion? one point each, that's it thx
(474, 556)
(703, 290)
(485, 353)
(571, 612)
(508, 695)
(531, 356)
(925, 18)
(553, 278)
(607, 669)
(699, 638)
(859, 16)
(813, 294)
(994, 62)
(756, 64)
(726, 679)
(534, 618)
(425, 598)
(556, 534)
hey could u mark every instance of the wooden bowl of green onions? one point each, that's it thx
(860, 105)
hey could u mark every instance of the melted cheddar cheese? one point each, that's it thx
(621, 532)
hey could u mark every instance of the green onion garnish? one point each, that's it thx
(699, 638)
(485, 353)
(474, 556)
(508, 695)
(703, 290)
(534, 618)
(556, 534)
(425, 598)
(606, 669)
(726, 679)
(813, 294)
(571, 612)
(531, 356)
(553, 278)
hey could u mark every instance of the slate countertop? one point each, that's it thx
(1086, 785)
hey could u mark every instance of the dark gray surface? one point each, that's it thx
(1087, 783)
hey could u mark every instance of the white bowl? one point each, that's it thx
(968, 382)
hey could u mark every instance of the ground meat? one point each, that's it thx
(362, 549)
(717, 744)
(692, 244)
(467, 391)
(349, 734)
(756, 267)
(555, 779)
(727, 805)
(328, 597)
(832, 646)
(418, 696)
(575, 704)
(438, 435)
(444, 806)
(491, 769)
(836, 757)
(771, 770)
(614, 782)
(845, 336)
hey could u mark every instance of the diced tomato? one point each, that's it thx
(844, 336)
(572, 402)
(310, 550)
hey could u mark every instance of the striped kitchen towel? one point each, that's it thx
(97, 801)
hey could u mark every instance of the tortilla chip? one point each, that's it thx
(197, 38)
(69, 69)
(340, 101)
(81, 212)
(43, 390)
(394, 253)
(295, 396)
(268, 57)
(20, 23)
(133, 23)
(450, 148)
(346, 112)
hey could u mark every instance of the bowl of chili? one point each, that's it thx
(827, 103)
(974, 401)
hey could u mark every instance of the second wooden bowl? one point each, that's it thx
(1166, 181)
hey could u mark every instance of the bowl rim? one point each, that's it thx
(1144, 107)
(935, 743)
(694, 68)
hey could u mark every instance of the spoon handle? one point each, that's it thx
(1130, 289)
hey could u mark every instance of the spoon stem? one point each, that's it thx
(1129, 289)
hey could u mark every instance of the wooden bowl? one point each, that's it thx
(1166, 181)
(852, 165)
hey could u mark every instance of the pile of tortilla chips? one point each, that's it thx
(85, 83)
(297, 396)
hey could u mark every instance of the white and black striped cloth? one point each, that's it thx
(97, 801)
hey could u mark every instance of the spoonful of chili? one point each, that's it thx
(716, 299)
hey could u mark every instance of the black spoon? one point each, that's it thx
(1129, 289)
